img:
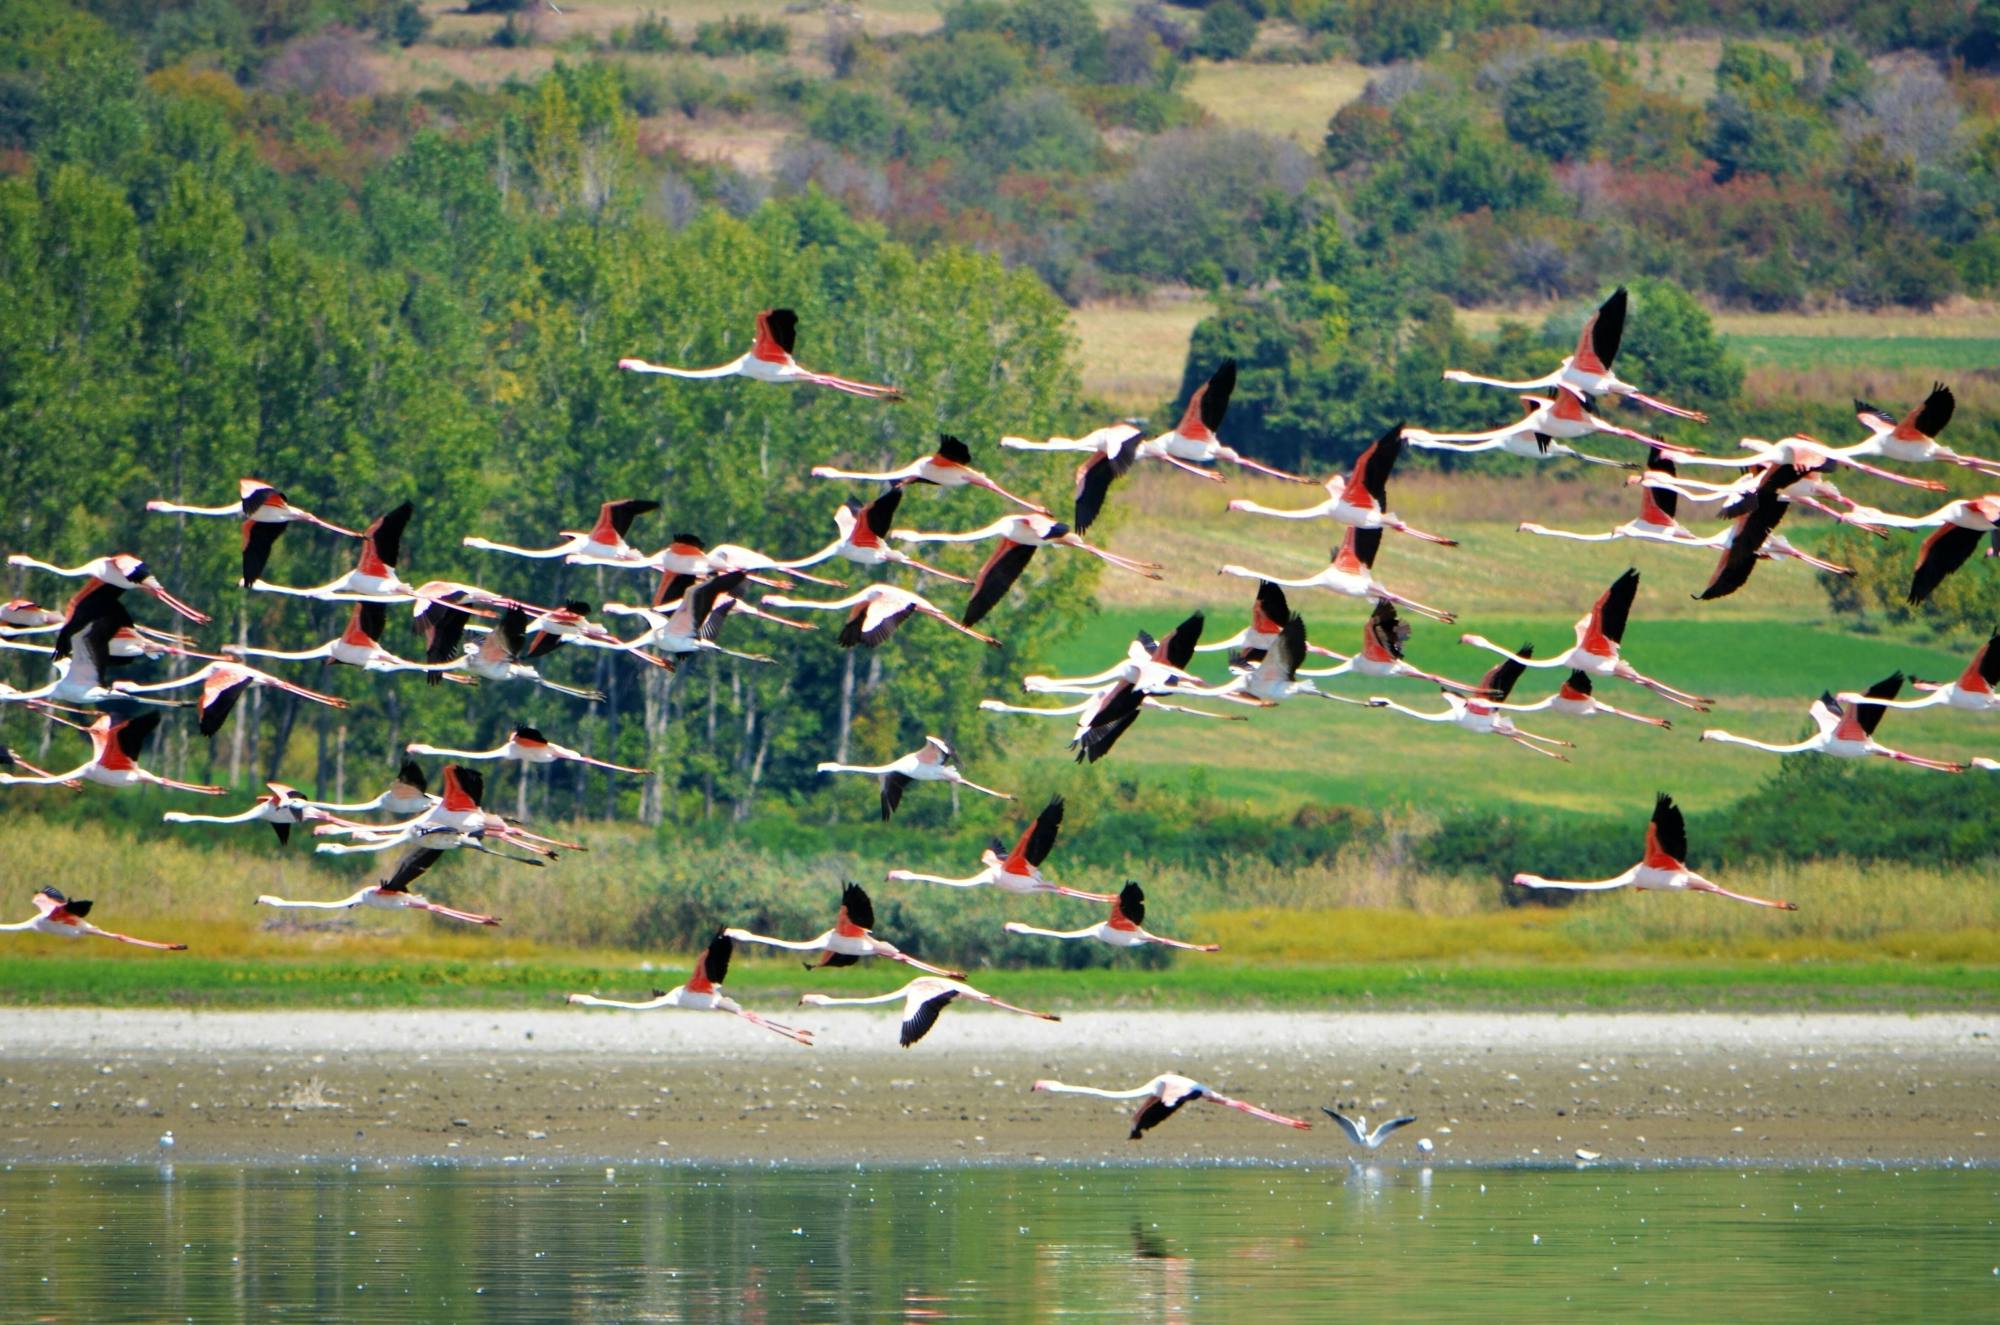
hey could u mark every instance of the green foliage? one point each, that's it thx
(1226, 32)
(1554, 107)
(961, 74)
(741, 34)
(1384, 31)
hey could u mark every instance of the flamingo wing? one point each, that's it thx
(1870, 715)
(893, 787)
(1371, 471)
(1178, 649)
(259, 537)
(1040, 838)
(1605, 330)
(1614, 606)
(1943, 552)
(921, 1013)
(996, 577)
(410, 868)
(1500, 679)
(1666, 835)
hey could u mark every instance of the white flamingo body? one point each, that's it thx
(1163, 1096)
(115, 742)
(528, 746)
(1036, 531)
(58, 915)
(1549, 422)
(875, 612)
(603, 544)
(701, 993)
(121, 571)
(1663, 867)
(1123, 928)
(1019, 871)
(923, 999)
(1350, 572)
(950, 466)
(1843, 731)
(935, 762)
(1588, 370)
(770, 360)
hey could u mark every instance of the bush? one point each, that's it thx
(651, 35)
(1554, 107)
(1384, 31)
(961, 73)
(1226, 32)
(741, 35)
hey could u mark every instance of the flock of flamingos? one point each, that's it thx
(471, 634)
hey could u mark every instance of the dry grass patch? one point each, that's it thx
(1289, 100)
(1131, 354)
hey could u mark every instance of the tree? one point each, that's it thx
(1226, 32)
(1554, 107)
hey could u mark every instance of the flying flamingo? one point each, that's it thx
(770, 360)
(874, 613)
(1121, 930)
(407, 794)
(1808, 453)
(392, 893)
(1193, 440)
(1019, 536)
(1111, 713)
(264, 512)
(357, 646)
(1812, 490)
(455, 819)
(1383, 636)
(1020, 870)
(1963, 524)
(1096, 702)
(950, 466)
(701, 993)
(695, 621)
(848, 941)
(1351, 572)
(25, 616)
(1268, 613)
(1108, 438)
(1482, 713)
(83, 677)
(505, 653)
(1754, 538)
(1599, 633)
(374, 576)
(1576, 698)
(1095, 476)
(281, 807)
(121, 572)
(1540, 433)
(1275, 676)
(1360, 500)
(11, 759)
(1972, 692)
(1845, 731)
(1663, 867)
(603, 544)
(222, 685)
(1589, 369)
(686, 556)
(935, 762)
(1914, 436)
(116, 738)
(1659, 509)
(923, 999)
(59, 915)
(1152, 665)
(863, 526)
(1163, 1096)
(1360, 1133)
(529, 746)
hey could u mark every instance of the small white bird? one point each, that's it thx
(1357, 1127)
(167, 1139)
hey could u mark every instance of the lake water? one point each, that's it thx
(212, 1242)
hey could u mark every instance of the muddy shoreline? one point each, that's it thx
(572, 1087)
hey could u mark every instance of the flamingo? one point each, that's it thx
(1019, 536)
(770, 360)
(222, 685)
(1350, 571)
(1020, 870)
(1961, 525)
(1578, 700)
(392, 893)
(505, 653)
(1663, 867)
(1090, 706)
(701, 993)
(1163, 1096)
(1845, 731)
(83, 677)
(265, 512)
(1972, 692)
(1268, 613)
(529, 746)
(874, 613)
(1111, 713)
(1360, 500)
(1275, 676)
(454, 819)
(121, 572)
(1812, 490)
(1360, 1133)
(603, 544)
(1482, 713)
(1095, 476)
(1659, 509)
(1599, 633)
(923, 999)
(1383, 636)
(56, 914)
(935, 762)
(688, 557)
(950, 466)
(281, 807)
(1550, 422)
(1589, 369)
(1110, 437)
(863, 526)
(407, 794)
(1754, 537)
(848, 941)
(1123, 928)
(116, 739)
(357, 646)
(374, 576)
(1152, 665)
(25, 616)
(1808, 453)
(1914, 436)
(695, 621)
(1193, 440)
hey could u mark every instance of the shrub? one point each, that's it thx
(1226, 32)
(1554, 107)
(741, 35)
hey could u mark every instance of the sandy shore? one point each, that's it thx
(574, 1086)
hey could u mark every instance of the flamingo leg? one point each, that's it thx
(1256, 1112)
(1187, 947)
(1230, 453)
(137, 943)
(1403, 527)
(980, 480)
(1929, 485)
(1919, 761)
(451, 913)
(789, 1032)
(991, 1001)
(1434, 613)
(1700, 885)
(1698, 703)
(1522, 739)
(1195, 470)
(1654, 402)
(963, 630)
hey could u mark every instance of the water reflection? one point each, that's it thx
(671, 1244)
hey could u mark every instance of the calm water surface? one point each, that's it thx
(669, 1243)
